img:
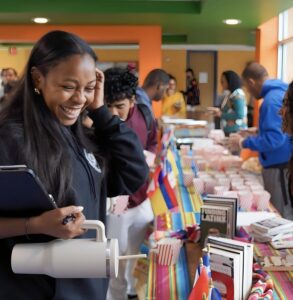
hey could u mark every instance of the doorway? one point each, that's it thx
(204, 65)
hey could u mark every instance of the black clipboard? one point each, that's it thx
(21, 193)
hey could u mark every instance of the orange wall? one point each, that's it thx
(16, 61)
(119, 55)
(267, 46)
(19, 60)
(232, 60)
(266, 53)
(148, 38)
(174, 62)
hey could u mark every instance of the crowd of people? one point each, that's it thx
(86, 134)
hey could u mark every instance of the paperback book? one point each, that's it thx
(225, 201)
(272, 226)
(217, 220)
(245, 253)
(226, 273)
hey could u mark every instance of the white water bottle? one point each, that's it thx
(75, 258)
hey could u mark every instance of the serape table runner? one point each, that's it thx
(283, 281)
(168, 282)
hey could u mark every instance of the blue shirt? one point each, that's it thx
(143, 98)
(273, 145)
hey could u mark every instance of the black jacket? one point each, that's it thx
(126, 171)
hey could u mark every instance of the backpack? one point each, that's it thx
(147, 115)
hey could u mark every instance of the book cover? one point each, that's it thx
(215, 220)
(220, 200)
(246, 252)
(272, 226)
(225, 269)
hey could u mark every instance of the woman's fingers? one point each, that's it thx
(65, 222)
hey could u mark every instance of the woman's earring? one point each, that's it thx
(37, 91)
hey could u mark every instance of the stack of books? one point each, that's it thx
(274, 230)
(218, 217)
(231, 267)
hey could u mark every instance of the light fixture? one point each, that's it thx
(41, 20)
(232, 21)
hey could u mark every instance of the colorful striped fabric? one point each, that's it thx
(168, 282)
(174, 221)
(189, 200)
(283, 281)
(172, 282)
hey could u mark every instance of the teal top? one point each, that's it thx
(234, 112)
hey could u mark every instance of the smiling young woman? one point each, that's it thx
(41, 127)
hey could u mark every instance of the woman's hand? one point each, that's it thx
(215, 110)
(50, 223)
(235, 142)
(99, 91)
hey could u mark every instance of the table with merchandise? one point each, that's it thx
(190, 174)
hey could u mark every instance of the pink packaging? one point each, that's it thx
(184, 149)
(236, 184)
(220, 175)
(187, 161)
(209, 185)
(219, 190)
(168, 251)
(216, 163)
(199, 185)
(242, 188)
(232, 172)
(226, 163)
(236, 177)
(197, 157)
(204, 176)
(261, 200)
(188, 177)
(245, 200)
(232, 194)
(201, 165)
(256, 187)
(120, 205)
(250, 182)
(224, 182)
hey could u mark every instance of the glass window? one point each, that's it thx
(289, 28)
(285, 55)
(287, 75)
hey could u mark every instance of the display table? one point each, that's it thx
(175, 281)
(283, 281)
(171, 282)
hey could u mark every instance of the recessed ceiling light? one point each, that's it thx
(41, 20)
(232, 21)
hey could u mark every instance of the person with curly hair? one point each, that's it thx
(129, 227)
(287, 126)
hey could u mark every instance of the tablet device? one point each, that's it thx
(21, 193)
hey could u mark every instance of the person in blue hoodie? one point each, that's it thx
(271, 142)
